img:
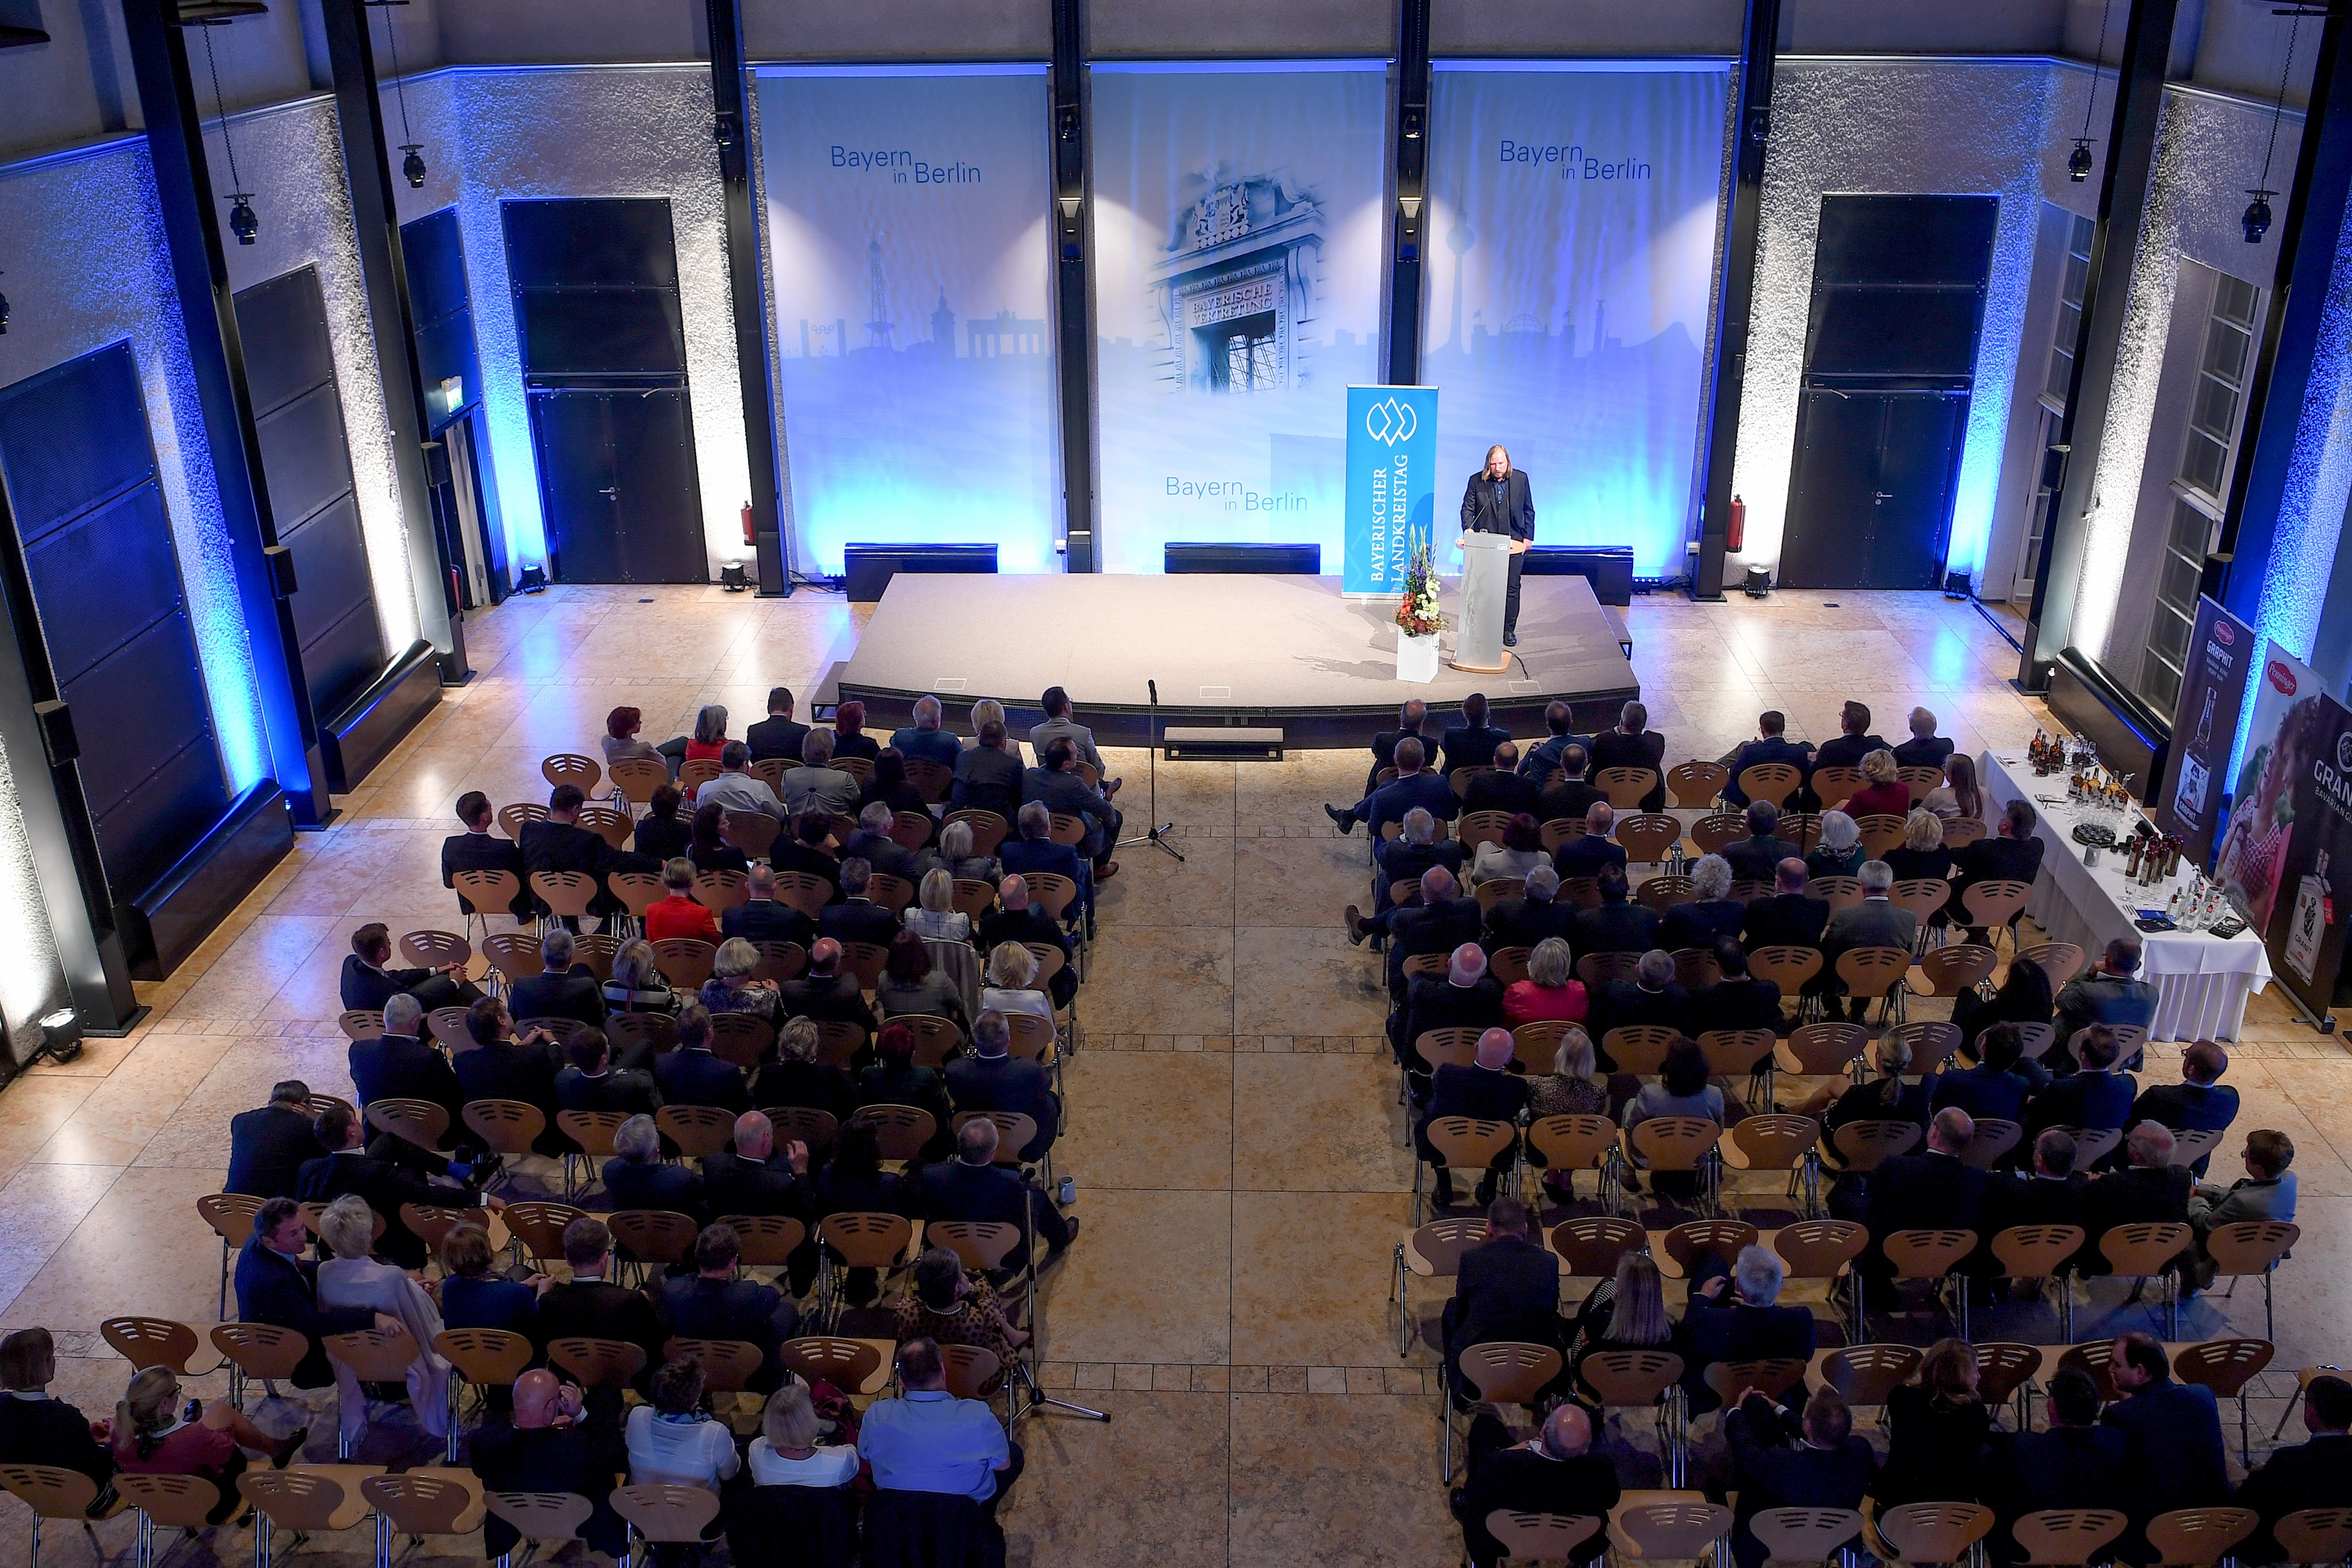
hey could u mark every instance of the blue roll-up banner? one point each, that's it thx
(1391, 484)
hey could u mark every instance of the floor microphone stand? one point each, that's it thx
(1157, 835)
(1022, 1365)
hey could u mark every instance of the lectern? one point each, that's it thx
(1485, 582)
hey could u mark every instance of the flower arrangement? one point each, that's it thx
(1417, 614)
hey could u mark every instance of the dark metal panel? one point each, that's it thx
(100, 580)
(303, 446)
(286, 351)
(587, 242)
(573, 332)
(72, 436)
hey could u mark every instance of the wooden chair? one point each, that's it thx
(597, 949)
(1462, 1144)
(420, 1122)
(1647, 837)
(1718, 833)
(1495, 890)
(1675, 1144)
(1590, 1245)
(900, 1130)
(637, 892)
(1790, 968)
(1881, 833)
(1676, 1530)
(1837, 892)
(1921, 895)
(1995, 907)
(727, 1364)
(651, 1236)
(596, 1362)
(932, 780)
(848, 1365)
(1432, 1251)
(2251, 1247)
(1738, 1052)
(1447, 1046)
(658, 1033)
(176, 1502)
(1665, 891)
(514, 955)
(230, 1214)
(53, 1493)
(1626, 788)
(1867, 1373)
(697, 1130)
(2060, 961)
(1536, 1045)
(771, 772)
(685, 961)
(804, 891)
(1819, 1050)
(1869, 972)
(1640, 1047)
(636, 777)
(1571, 1143)
(486, 892)
(512, 818)
(1772, 1377)
(612, 827)
(1541, 1538)
(1559, 830)
(742, 1039)
(1920, 781)
(1773, 781)
(989, 830)
(1864, 1145)
(2095, 1360)
(308, 1500)
(538, 1516)
(505, 1127)
(1820, 1250)
(1599, 968)
(1475, 828)
(721, 890)
(1833, 786)
(431, 1223)
(2006, 1369)
(1688, 1245)
(1503, 1372)
(2093, 1145)
(1694, 785)
(147, 1342)
(768, 1240)
(1696, 969)
(372, 1355)
(1931, 1254)
(663, 1514)
(1954, 967)
(429, 1499)
(486, 1358)
(537, 1228)
(1776, 1143)
(1992, 1139)
(2316, 1534)
(2066, 1537)
(565, 893)
(1961, 831)
(753, 832)
(976, 1244)
(695, 772)
(1805, 1535)
(1924, 1532)
(2226, 1366)
(1014, 1132)
(2149, 1251)
(2199, 1537)
(261, 1350)
(363, 1023)
(1931, 1042)
(1508, 964)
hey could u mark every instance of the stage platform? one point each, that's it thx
(1242, 650)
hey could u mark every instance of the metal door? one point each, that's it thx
(617, 484)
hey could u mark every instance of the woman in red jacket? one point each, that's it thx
(680, 914)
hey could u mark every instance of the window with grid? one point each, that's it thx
(2073, 279)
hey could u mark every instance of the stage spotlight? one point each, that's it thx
(2256, 220)
(732, 577)
(2078, 161)
(60, 1035)
(241, 221)
(1956, 585)
(413, 166)
(533, 579)
(1760, 582)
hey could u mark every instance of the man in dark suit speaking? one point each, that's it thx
(1498, 501)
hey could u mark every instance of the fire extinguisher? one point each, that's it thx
(1735, 539)
(750, 535)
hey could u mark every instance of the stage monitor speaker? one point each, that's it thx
(1278, 560)
(1234, 743)
(1608, 567)
(868, 568)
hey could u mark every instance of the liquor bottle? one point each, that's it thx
(2314, 904)
(2205, 721)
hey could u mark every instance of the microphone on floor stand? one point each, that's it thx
(1157, 835)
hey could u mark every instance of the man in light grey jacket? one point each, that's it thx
(1060, 726)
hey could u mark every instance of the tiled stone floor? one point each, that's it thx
(1233, 1130)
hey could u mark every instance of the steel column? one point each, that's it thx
(1074, 310)
(1411, 215)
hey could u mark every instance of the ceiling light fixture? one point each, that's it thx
(2079, 161)
(241, 221)
(2256, 219)
(412, 168)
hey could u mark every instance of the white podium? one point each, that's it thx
(1485, 583)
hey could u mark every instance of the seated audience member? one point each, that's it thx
(673, 1441)
(620, 739)
(475, 1296)
(1011, 985)
(806, 856)
(2146, 1189)
(1958, 798)
(378, 1175)
(678, 913)
(2173, 1449)
(1681, 1089)
(788, 1451)
(924, 740)
(152, 1436)
(1501, 786)
(1926, 748)
(1788, 916)
(268, 1147)
(1021, 920)
(1470, 743)
(565, 988)
(1413, 719)
(1407, 858)
(588, 1306)
(1545, 755)
(912, 983)
(733, 986)
(1060, 724)
(1551, 992)
(873, 843)
(926, 1439)
(993, 1079)
(849, 737)
(662, 835)
(1921, 856)
(1573, 1087)
(1651, 997)
(1625, 1312)
(638, 985)
(1616, 924)
(973, 1186)
(500, 1067)
(2267, 1191)
(735, 790)
(1710, 913)
(2200, 1103)
(2108, 994)
(797, 1078)
(1755, 857)
(707, 848)
(933, 914)
(777, 734)
(888, 787)
(824, 991)
(1932, 1190)
(1446, 918)
(715, 1302)
(352, 1277)
(952, 1305)
(1520, 852)
(1886, 1098)
(709, 740)
(1778, 1460)
(1556, 1471)
(1853, 742)
(1054, 784)
(853, 1182)
(895, 1080)
(1505, 1288)
(635, 1178)
(1882, 794)
(277, 1284)
(1937, 1431)
(1465, 997)
(2023, 999)
(558, 1440)
(1738, 1000)
(1411, 786)
(816, 785)
(38, 1428)
(1595, 851)
(988, 774)
(1487, 1091)
(1535, 916)
(2313, 1474)
(692, 1075)
(478, 849)
(2050, 1192)
(1634, 744)
(1992, 1090)
(1034, 853)
(1873, 922)
(1570, 797)
(368, 984)
(1771, 745)
(560, 844)
(956, 854)
(1738, 1317)
(2097, 1096)
(754, 1179)
(2075, 1463)
(2012, 853)
(1840, 851)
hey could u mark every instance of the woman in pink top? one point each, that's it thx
(1552, 990)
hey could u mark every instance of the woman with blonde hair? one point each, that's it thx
(731, 989)
(1937, 1429)
(353, 1278)
(637, 986)
(1921, 854)
(1627, 1311)
(787, 1452)
(1011, 982)
(935, 914)
(1884, 794)
(1552, 990)
(152, 1436)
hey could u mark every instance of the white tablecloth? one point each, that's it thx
(2201, 982)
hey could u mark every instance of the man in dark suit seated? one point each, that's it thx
(2315, 1474)
(558, 1440)
(1778, 1461)
(1055, 784)
(383, 1182)
(2173, 1450)
(277, 1285)
(1546, 753)
(1873, 922)
(2010, 854)
(587, 1307)
(2049, 1191)
(1737, 1001)
(1738, 1317)
(1926, 748)
(502, 1067)
(715, 1302)
(1651, 997)
(804, 852)
(402, 1066)
(1932, 1191)
(560, 844)
(1034, 852)
(267, 1148)
(1537, 914)
(972, 1187)
(1505, 1288)
(993, 1079)
(1771, 745)
(1505, 788)
(1634, 744)
(635, 1178)
(1412, 786)
(367, 984)
(478, 849)
(757, 1178)
(1573, 796)
(565, 989)
(1441, 922)
(1990, 1089)
(1409, 855)
(1595, 851)
(589, 1082)
(1554, 1472)
(1465, 997)
(2200, 1103)
(987, 776)
(1757, 857)
(824, 992)
(776, 735)
(873, 844)
(2147, 1190)
(1789, 916)
(1853, 742)
(1412, 718)
(2095, 1097)
(760, 918)
(1017, 920)
(1486, 1091)
(1470, 743)
(1710, 913)
(858, 919)
(2074, 1463)
(691, 1075)
(36, 1428)
(1617, 925)
(2109, 994)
